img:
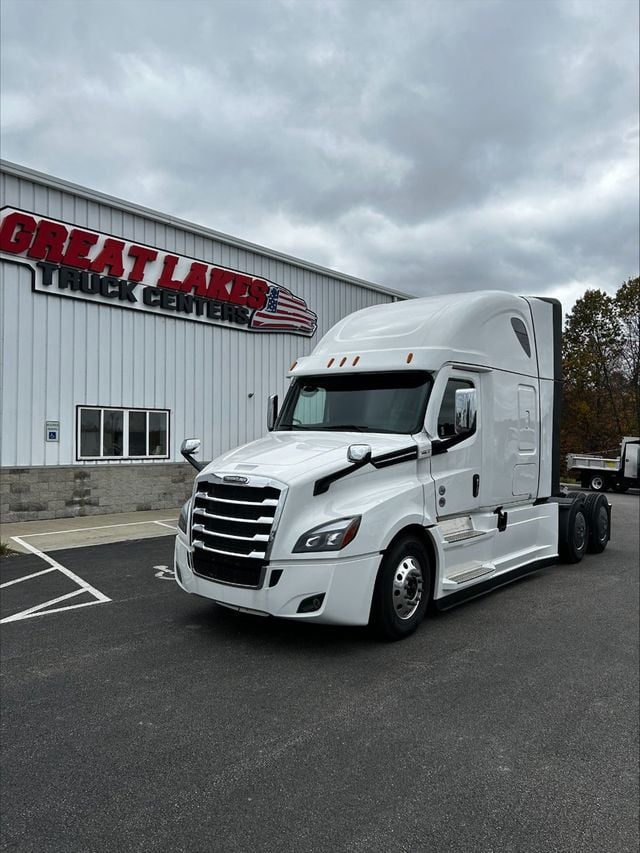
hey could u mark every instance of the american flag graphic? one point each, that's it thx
(284, 311)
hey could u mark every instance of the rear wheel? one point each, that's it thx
(597, 508)
(574, 532)
(401, 592)
(598, 483)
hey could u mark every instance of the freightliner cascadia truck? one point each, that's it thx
(414, 461)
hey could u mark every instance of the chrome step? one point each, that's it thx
(470, 574)
(464, 535)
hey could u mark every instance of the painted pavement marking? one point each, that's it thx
(39, 609)
(26, 577)
(165, 573)
(99, 527)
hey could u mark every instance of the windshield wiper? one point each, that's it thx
(298, 426)
(346, 427)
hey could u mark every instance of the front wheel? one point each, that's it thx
(402, 588)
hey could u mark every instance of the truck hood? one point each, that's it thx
(290, 456)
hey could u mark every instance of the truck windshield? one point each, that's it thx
(357, 402)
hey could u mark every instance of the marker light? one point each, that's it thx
(183, 520)
(329, 537)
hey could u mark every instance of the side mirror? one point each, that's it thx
(272, 411)
(188, 447)
(359, 453)
(466, 410)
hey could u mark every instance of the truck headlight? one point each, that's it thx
(329, 537)
(183, 519)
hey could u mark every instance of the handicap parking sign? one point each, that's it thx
(52, 430)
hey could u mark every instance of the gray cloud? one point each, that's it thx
(426, 146)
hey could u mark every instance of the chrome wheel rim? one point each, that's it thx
(407, 588)
(596, 483)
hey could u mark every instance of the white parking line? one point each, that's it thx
(26, 577)
(39, 609)
(100, 527)
(162, 524)
(56, 565)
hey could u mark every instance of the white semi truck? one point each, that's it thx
(415, 460)
(599, 473)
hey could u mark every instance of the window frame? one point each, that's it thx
(125, 433)
(469, 385)
(444, 444)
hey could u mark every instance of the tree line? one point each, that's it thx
(601, 366)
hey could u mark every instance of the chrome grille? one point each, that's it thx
(231, 529)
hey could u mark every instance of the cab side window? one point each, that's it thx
(447, 414)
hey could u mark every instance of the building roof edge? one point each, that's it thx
(19, 171)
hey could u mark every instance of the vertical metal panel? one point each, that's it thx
(9, 361)
(59, 353)
(48, 366)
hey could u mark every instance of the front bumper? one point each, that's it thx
(347, 586)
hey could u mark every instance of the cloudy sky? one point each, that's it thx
(426, 146)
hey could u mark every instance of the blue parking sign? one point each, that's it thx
(52, 430)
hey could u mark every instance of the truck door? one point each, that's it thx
(629, 461)
(457, 451)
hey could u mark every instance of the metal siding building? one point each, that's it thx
(58, 354)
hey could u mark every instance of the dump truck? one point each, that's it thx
(599, 473)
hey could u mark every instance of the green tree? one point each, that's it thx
(601, 363)
(627, 301)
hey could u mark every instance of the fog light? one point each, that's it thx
(311, 604)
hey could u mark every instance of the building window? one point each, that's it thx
(122, 433)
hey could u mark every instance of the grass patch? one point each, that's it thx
(6, 551)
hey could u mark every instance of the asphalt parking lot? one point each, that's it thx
(135, 717)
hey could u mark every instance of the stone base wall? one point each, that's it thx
(29, 494)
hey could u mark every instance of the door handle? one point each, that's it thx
(476, 485)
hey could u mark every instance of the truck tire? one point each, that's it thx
(620, 487)
(574, 532)
(598, 483)
(401, 592)
(597, 508)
